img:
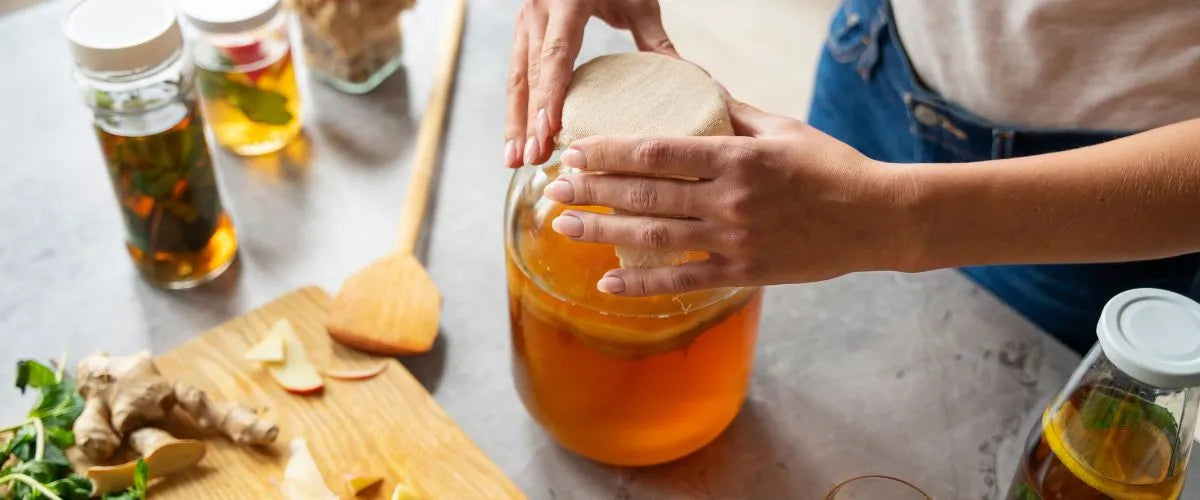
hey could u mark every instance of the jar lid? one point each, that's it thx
(643, 94)
(228, 16)
(122, 35)
(1153, 336)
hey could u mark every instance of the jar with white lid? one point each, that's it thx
(134, 73)
(1123, 425)
(245, 74)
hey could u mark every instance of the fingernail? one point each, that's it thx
(611, 284)
(574, 158)
(568, 225)
(560, 191)
(531, 150)
(510, 153)
(543, 125)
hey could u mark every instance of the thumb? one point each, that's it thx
(750, 121)
(649, 34)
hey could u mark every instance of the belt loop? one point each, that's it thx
(1002, 143)
(870, 57)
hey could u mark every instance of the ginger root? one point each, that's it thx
(126, 393)
(239, 423)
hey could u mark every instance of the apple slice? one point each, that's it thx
(356, 373)
(302, 478)
(405, 492)
(296, 374)
(270, 348)
(358, 483)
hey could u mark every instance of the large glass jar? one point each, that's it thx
(244, 73)
(134, 73)
(625, 381)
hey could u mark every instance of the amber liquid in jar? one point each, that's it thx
(178, 234)
(591, 379)
(1100, 446)
(252, 108)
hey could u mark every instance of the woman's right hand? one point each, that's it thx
(548, 36)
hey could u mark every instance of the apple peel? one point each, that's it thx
(356, 373)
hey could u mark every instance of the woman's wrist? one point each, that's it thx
(913, 205)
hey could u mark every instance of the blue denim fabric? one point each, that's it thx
(868, 96)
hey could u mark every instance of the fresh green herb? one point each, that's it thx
(1102, 411)
(34, 374)
(259, 105)
(138, 490)
(102, 100)
(36, 466)
(1024, 491)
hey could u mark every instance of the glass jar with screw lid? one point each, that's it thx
(133, 71)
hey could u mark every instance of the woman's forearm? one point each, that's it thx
(1130, 199)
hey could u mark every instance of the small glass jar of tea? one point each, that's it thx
(135, 75)
(1123, 425)
(244, 72)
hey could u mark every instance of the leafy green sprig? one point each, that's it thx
(34, 460)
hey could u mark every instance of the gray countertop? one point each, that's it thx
(921, 376)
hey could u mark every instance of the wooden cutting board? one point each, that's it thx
(388, 425)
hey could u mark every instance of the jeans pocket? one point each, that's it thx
(849, 32)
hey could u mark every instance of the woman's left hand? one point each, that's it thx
(784, 203)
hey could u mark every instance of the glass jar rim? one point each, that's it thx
(713, 296)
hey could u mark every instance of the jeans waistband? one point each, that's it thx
(867, 35)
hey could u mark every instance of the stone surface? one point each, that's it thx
(921, 376)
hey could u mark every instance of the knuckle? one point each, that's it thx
(680, 281)
(749, 270)
(642, 196)
(739, 238)
(654, 235)
(740, 154)
(586, 189)
(740, 205)
(517, 81)
(593, 228)
(556, 48)
(662, 45)
(533, 70)
(651, 152)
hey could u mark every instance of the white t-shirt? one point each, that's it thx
(1091, 64)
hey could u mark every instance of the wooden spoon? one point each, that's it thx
(392, 306)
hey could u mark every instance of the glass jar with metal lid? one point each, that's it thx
(134, 73)
(1123, 425)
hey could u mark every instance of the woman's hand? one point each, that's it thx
(787, 204)
(548, 36)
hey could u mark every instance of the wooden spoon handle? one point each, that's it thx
(430, 134)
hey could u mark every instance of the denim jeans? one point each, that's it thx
(868, 96)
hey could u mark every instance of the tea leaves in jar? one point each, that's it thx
(252, 108)
(177, 230)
